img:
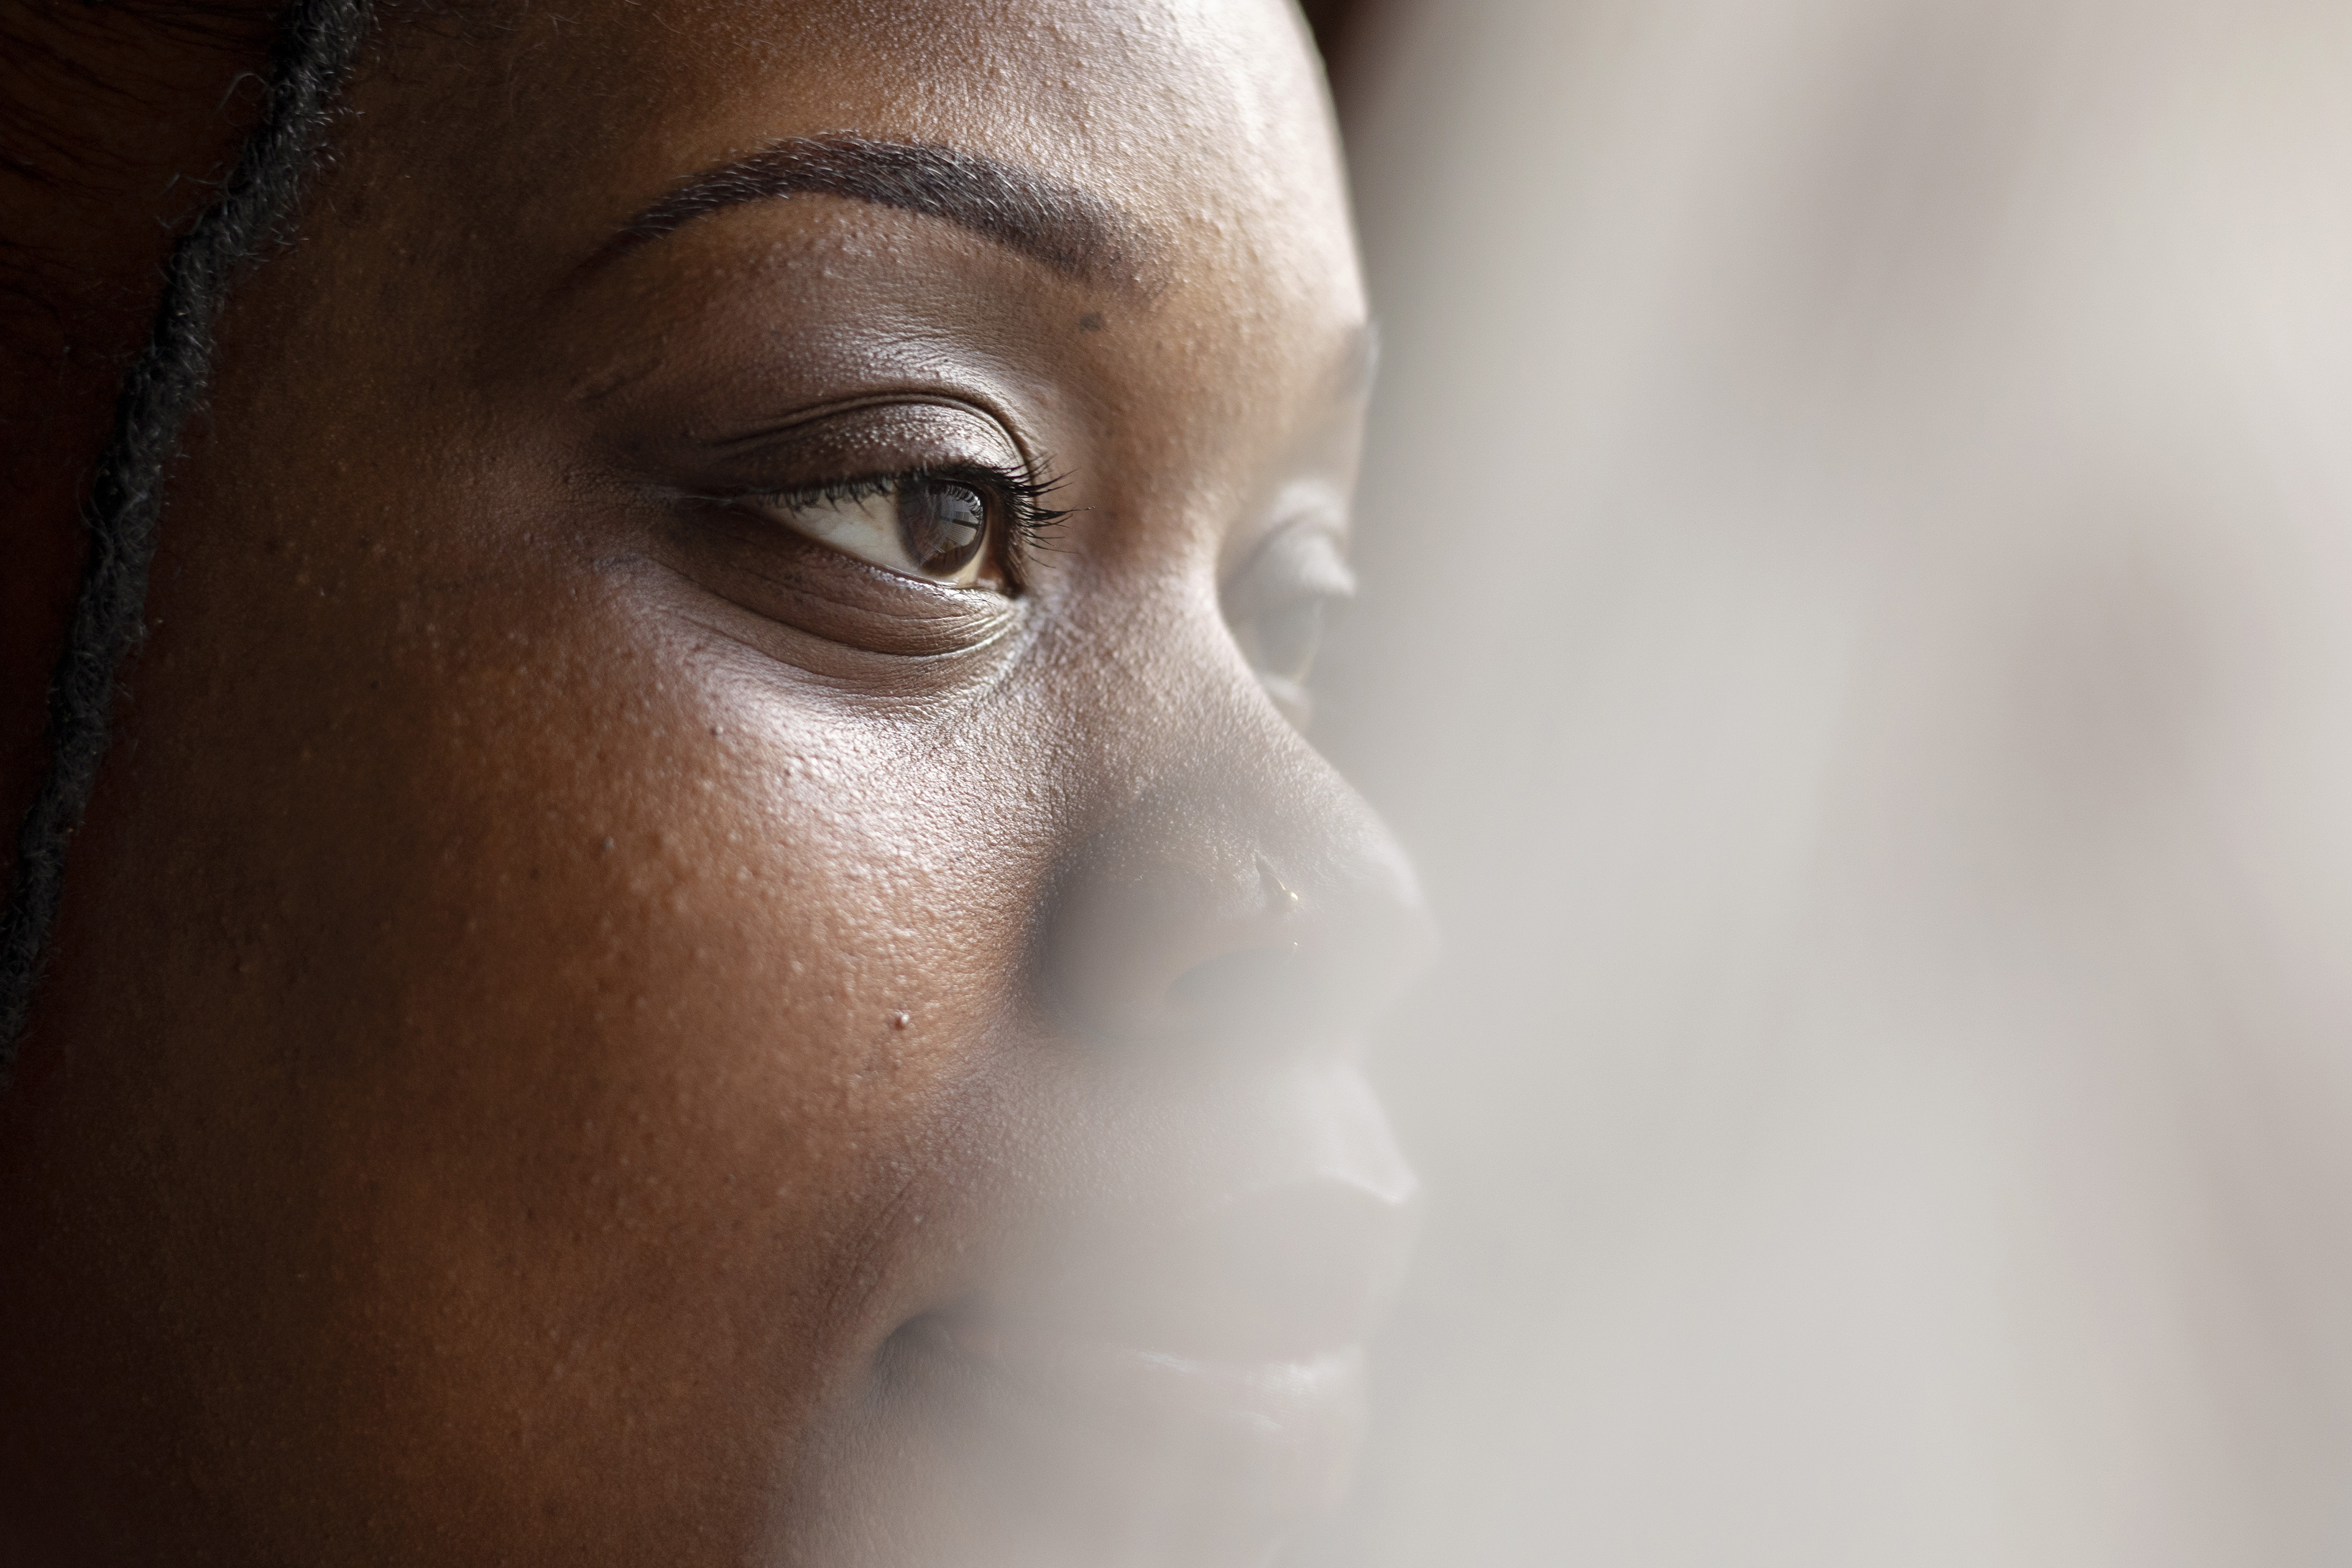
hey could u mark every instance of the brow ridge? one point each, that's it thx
(1071, 231)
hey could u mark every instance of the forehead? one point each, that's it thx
(516, 154)
(1201, 119)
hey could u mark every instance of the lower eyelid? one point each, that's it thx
(812, 594)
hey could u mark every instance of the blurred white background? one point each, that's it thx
(1857, 627)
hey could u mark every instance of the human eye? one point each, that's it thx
(1276, 607)
(913, 526)
(958, 527)
(936, 492)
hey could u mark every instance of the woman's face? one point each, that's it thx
(664, 971)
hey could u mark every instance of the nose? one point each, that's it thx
(1213, 1212)
(1247, 897)
(1218, 945)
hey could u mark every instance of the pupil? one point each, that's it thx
(943, 524)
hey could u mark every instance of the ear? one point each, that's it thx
(115, 123)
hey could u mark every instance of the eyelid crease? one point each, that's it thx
(912, 405)
(829, 437)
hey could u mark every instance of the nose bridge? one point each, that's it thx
(1238, 890)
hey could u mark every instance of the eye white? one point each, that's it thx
(873, 526)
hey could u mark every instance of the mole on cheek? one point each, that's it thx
(1091, 321)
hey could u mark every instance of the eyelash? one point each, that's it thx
(1029, 523)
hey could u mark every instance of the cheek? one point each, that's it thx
(617, 1012)
(687, 1023)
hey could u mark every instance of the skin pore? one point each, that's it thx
(605, 1012)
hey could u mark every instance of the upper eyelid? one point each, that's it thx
(1015, 466)
(828, 489)
(875, 481)
(1023, 490)
(812, 425)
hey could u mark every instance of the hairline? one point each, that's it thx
(312, 53)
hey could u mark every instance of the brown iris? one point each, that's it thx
(943, 524)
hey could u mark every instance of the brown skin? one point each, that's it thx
(561, 974)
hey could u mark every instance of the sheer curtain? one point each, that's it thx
(1857, 626)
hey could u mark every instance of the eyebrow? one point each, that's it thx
(1069, 230)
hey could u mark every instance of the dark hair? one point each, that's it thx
(313, 51)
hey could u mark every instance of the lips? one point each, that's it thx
(1163, 1364)
(1181, 1395)
(1176, 1458)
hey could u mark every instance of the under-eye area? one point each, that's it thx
(800, 600)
